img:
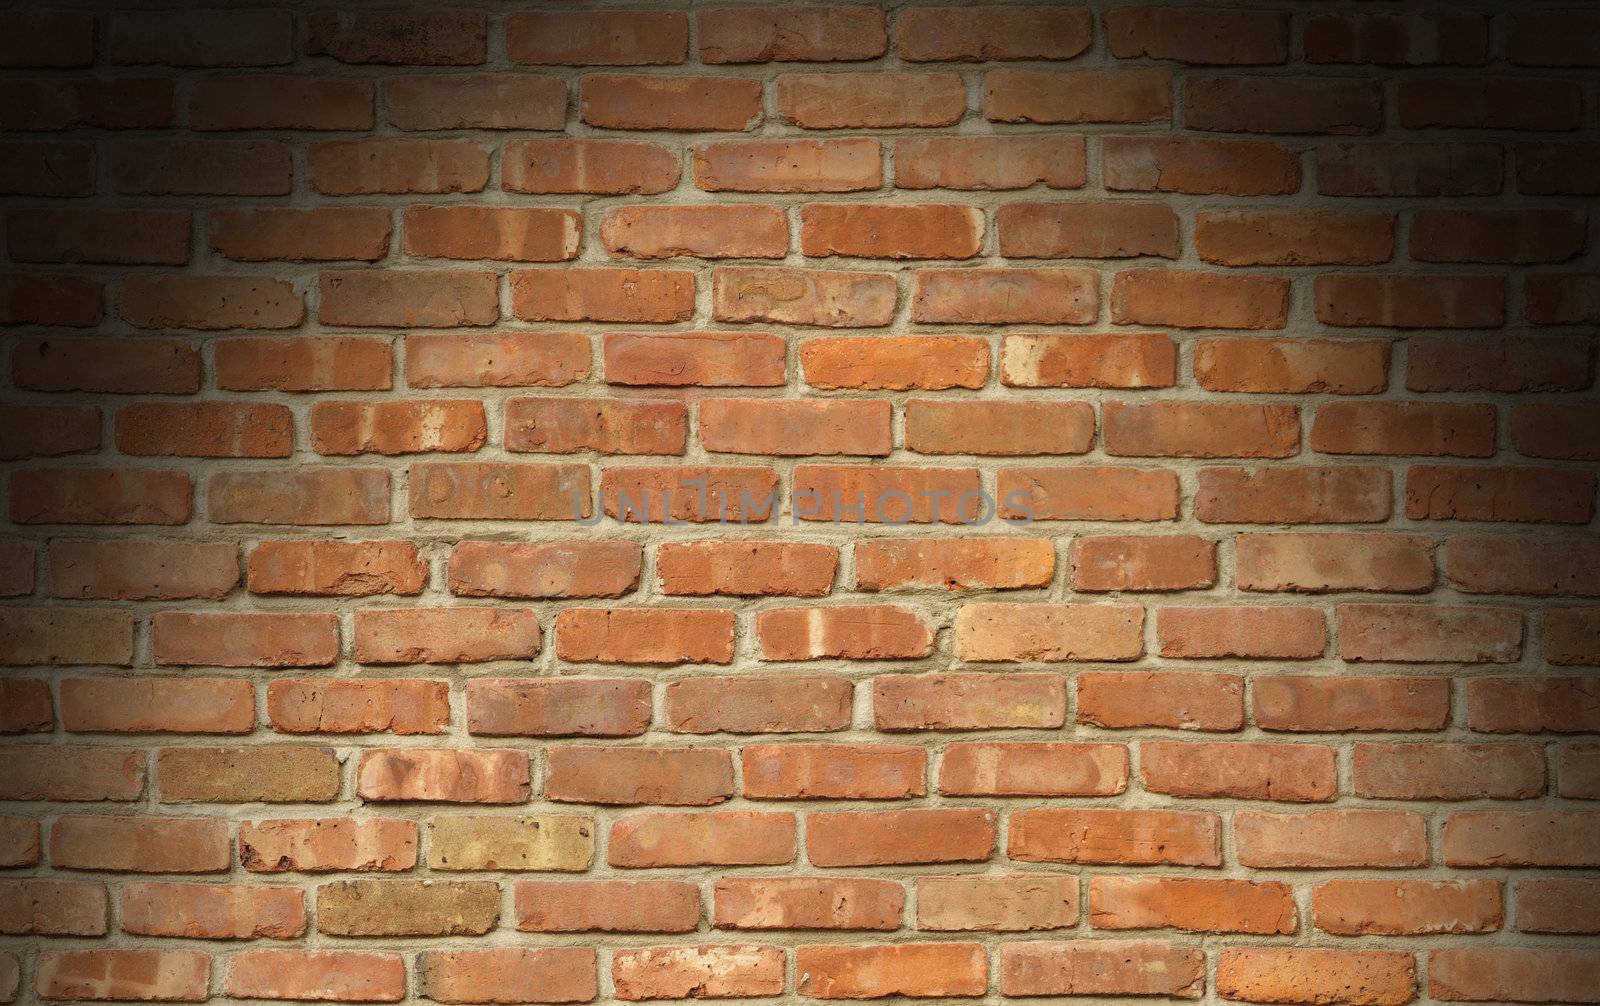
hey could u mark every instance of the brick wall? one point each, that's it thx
(545, 505)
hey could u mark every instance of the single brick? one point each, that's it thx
(1184, 700)
(1134, 837)
(832, 771)
(600, 707)
(889, 837)
(543, 569)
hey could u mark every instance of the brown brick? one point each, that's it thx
(407, 908)
(264, 773)
(607, 38)
(551, 842)
(1272, 974)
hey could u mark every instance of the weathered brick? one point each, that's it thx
(1056, 835)
(317, 975)
(543, 569)
(581, 38)
(794, 34)
(543, 975)
(1326, 839)
(1185, 700)
(1102, 968)
(617, 707)
(983, 701)
(832, 771)
(1406, 907)
(878, 100)
(682, 103)
(315, 846)
(264, 773)
(905, 969)
(743, 705)
(396, 705)
(606, 906)
(1274, 974)
(1195, 904)
(924, 835)
(1074, 96)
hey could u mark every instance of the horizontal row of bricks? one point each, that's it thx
(614, 167)
(746, 971)
(703, 776)
(423, 298)
(753, 704)
(799, 33)
(984, 632)
(1112, 229)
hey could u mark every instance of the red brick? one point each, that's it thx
(140, 844)
(1409, 169)
(607, 906)
(998, 428)
(631, 295)
(303, 363)
(907, 969)
(400, 427)
(213, 911)
(1488, 102)
(1184, 700)
(142, 366)
(1530, 495)
(1551, 38)
(1341, 494)
(681, 103)
(319, 235)
(458, 635)
(1087, 230)
(476, 101)
(893, 837)
(1400, 301)
(1326, 839)
(110, 237)
(1279, 237)
(161, 570)
(1198, 166)
(1541, 838)
(28, 708)
(119, 103)
(794, 34)
(1132, 563)
(1397, 39)
(832, 771)
(210, 303)
(1292, 366)
(1456, 634)
(489, 491)
(281, 101)
(600, 167)
(1303, 975)
(1296, 773)
(704, 359)
(1542, 169)
(765, 426)
(520, 234)
(1198, 35)
(1316, 563)
(99, 496)
(48, 39)
(543, 569)
(807, 903)
(364, 167)
(1195, 904)
(514, 707)
(19, 842)
(1451, 363)
(1556, 905)
(501, 974)
(336, 568)
(1512, 973)
(1201, 429)
(1142, 837)
(1085, 493)
(804, 297)
(496, 360)
(1263, 104)
(1016, 903)
(443, 775)
(604, 38)
(645, 635)
(988, 163)
(1407, 907)
(1183, 299)
(771, 704)
(33, 299)
(1282, 631)
(393, 705)
(1109, 95)
(53, 908)
(703, 838)
(746, 568)
(37, 431)
(1102, 968)
(230, 639)
(713, 231)
(1578, 771)
(203, 38)
(317, 975)
(1033, 769)
(121, 974)
(843, 165)
(983, 701)
(1562, 298)
(925, 231)
(1533, 705)
(157, 705)
(742, 494)
(302, 496)
(65, 636)
(682, 777)
(956, 564)
(843, 632)
(47, 169)
(1402, 428)
(429, 38)
(408, 298)
(713, 972)
(205, 430)
(1526, 565)
(942, 34)
(1571, 636)
(1496, 236)
(858, 494)
(1006, 296)
(312, 845)
(1448, 771)
(60, 772)
(870, 100)
(1344, 704)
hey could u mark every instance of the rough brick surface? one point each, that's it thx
(799, 501)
